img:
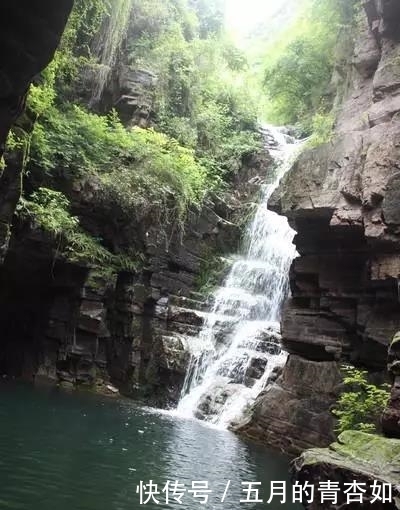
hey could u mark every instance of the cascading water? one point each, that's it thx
(107, 43)
(238, 347)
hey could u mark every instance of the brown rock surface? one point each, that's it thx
(294, 412)
(345, 301)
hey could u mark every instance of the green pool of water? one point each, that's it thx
(61, 451)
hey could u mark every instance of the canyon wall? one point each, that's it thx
(129, 330)
(30, 32)
(78, 325)
(72, 324)
(343, 200)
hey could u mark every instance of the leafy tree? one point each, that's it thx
(299, 79)
(361, 406)
(298, 72)
(210, 14)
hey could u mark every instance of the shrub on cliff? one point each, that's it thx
(207, 122)
(206, 125)
(360, 407)
(134, 165)
(49, 211)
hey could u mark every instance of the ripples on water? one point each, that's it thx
(61, 451)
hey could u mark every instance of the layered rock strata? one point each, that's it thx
(343, 199)
(81, 326)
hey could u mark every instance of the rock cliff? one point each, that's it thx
(30, 32)
(342, 198)
(79, 325)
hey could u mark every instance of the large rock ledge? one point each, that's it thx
(356, 456)
(294, 412)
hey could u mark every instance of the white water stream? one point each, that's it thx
(238, 347)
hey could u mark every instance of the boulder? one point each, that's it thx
(175, 355)
(213, 400)
(356, 456)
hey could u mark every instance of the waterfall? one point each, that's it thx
(107, 43)
(238, 347)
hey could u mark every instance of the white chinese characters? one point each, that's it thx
(277, 493)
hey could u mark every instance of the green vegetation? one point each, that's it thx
(203, 97)
(211, 272)
(322, 128)
(361, 406)
(205, 107)
(136, 166)
(299, 67)
(49, 210)
(206, 123)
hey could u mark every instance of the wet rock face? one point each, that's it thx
(383, 16)
(130, 88)
(345, 302)
(82, 327)
(212, 403)
(131, 91)
(293, 413)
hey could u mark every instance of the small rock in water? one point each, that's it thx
(111, 388)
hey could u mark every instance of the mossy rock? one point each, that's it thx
(367, 455)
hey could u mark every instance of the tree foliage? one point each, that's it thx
(298, 73)
(203, 97)
(360, 407)
(299, 79)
